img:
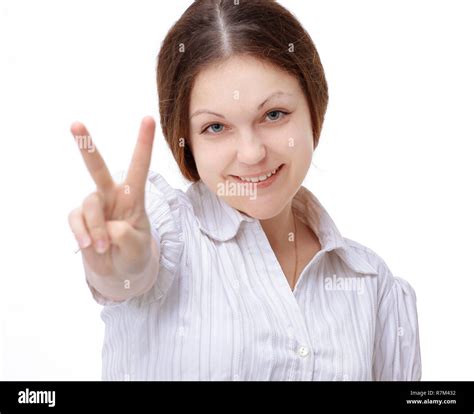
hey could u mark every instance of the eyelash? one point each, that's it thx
(284, 113)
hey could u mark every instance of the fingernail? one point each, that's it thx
(100, 246)
(84, 241)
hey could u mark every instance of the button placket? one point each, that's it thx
(297, 332)
(305, 355)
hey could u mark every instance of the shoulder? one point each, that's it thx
(386, 281)
(364, 250)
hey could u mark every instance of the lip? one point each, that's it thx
(263, 184)
(257, 174)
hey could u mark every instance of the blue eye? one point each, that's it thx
(277, 112)
(205, 130)
(213, 125)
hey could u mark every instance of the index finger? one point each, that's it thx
(138, 170)
(93, 160)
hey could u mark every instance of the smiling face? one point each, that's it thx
(260, 124)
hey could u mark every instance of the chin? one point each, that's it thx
(259, 210)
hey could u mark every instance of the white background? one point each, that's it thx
(394, 165)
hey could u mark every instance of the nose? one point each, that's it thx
(250, 150)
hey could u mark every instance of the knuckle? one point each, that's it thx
(97, 231)
(93, 200)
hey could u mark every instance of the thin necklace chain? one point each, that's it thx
(296, 250)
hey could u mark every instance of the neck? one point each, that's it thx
(278, 228)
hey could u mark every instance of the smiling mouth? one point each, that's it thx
(258, 179)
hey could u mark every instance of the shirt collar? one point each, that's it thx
(222, 222)
(216, 218)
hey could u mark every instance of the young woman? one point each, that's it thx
(244, 276)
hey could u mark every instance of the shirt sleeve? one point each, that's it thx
(397, 346)
(163, 209)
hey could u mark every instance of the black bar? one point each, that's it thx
(135, 396)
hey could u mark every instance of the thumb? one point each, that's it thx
(132, 242)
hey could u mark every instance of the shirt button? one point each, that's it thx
(236, 377)
(303, 351)
(236, 284)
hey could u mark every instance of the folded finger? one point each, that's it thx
(79, 229)
(93, 212)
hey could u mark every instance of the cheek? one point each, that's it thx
(211, 159)
(304, 155)
(300, 151)
(297, 141)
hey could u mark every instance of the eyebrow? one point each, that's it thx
(273, 95)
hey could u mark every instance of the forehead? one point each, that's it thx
(246, 77)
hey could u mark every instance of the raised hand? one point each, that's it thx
(111, 225)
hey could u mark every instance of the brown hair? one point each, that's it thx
(211, 31)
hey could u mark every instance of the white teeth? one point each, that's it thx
(260, 178)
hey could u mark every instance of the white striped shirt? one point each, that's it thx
(222, 309)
